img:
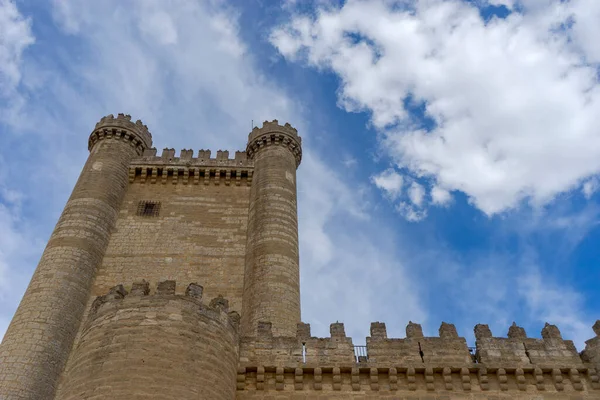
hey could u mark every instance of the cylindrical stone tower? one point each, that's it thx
(40, 336)
(272, 276)
(161, 346)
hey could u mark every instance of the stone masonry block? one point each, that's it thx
(337, 329)
(194, 290)
(220, 302)
(551, 332)
(414, 331)
(116, 292)
(140, 288)
(482, 331)
(448, 331)
(303, 330)
(516, 332)
(378, 330)
(166, 287)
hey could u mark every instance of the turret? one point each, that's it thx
(41, 334)
(271, 281)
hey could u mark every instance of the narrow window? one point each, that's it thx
(148, 208)
(304, 352)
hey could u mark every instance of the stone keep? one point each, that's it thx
(177, 277)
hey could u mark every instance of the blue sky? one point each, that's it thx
(451, 148)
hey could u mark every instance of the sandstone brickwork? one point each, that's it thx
(118, 306)
(416, 367)
(155, 346)
(272, 275)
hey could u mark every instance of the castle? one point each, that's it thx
(177, 277)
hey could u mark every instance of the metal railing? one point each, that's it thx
(360, 354)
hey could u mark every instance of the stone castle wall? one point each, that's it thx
(197, 232)
(416, 367)
(161, 346)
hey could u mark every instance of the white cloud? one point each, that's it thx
(514, 106)
(15, 37)
(390, 182)
(158, 26)
(440, 196)
(554, 303)
(411, 212)
(416, 194)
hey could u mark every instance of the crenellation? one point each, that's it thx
(448, 331)
(591, 353)
(140, 288)
(416, 349)
(518, 350)
(180, 168)
(378, 330)
(516, 332)
(337, 330)
(303, 330)
(121, 128)
(186, 155)
(273, 133)
(482, 331)
(194, 290)
(413, 330)
(166, 287)
(168, 155)
(551, 332)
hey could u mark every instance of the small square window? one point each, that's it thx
(148, 208)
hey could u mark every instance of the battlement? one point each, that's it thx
(447, 349)
(591, 353)
(136, 133)
(272, 133)
(516, 350)
(519, 350)
(217, 308)
(185, 168)
(415, 363)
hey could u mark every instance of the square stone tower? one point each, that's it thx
(135, 217)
